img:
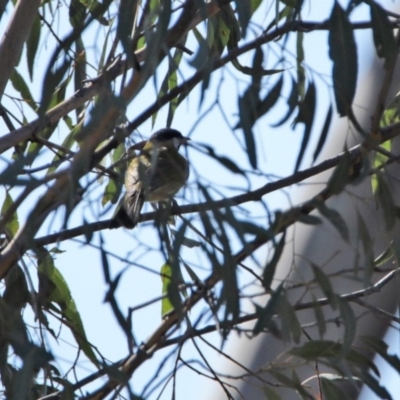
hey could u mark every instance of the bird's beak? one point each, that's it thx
(185, 140)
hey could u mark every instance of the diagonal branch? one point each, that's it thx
(255, 195)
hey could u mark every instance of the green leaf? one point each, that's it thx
(111, 192)
(350, 325)
(319, 316)
(367, 244)
(21, 87)
(270, 99)
(269, 269)
(378, 160)
(385, 199)
(340, 176)
(391, 115)
(306, 116)
(291, 382)
(384, 40)
(265, 314)
(16, 294)
(343, 53)
(54, 288)
(309, 219)
(32, 44)
(380, 347)
(172, 82)
(254, 5)
(324, 133)
(166, 277)
(243, 8)
(126, 19)
(77, 13)
(291, 327)
(248, 108)
(292, 102)
(325, 285)
(173, 300)
(373, 384)
(12, 224)
(395, 246)
(331, 391)
(270, 394)
(79, 73)
(336, 220)
(301, 76)
(333, 352)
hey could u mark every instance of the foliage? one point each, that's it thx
(108, 74)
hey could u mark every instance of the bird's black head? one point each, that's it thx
(166, 134)
(168, 137)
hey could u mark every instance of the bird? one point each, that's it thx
(155, 175)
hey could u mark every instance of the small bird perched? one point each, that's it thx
(156, 174)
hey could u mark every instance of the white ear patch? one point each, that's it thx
(176, 142)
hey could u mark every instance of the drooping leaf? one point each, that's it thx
(309, 219)
(340, 176)
(244, 11)
(374, 385)
(111, 192)
(343, 53)
(306, 117)
(80, 72)
(350, 325)
(332, 391)
(319, 316)
(270, 394)
(21, 87)
(385, 43)
(380, 347)
(171, 82)
(166, 277)
(16, 293)
(324, 133)
(391, 115)
(12, 224)
(293, 382)
(367, 244)
(247, 109)
(77, 13)
(265, 314)
(32, 45)
(126, 20)
(301, 75)
(226, 162)
(171, 277)
(379, 159)
(270, 99)
(385, 200)
(269, 270)
(291, 328)
(336, 220)
(325, 285)
(54, 289)
(330, 350)
(291, 102)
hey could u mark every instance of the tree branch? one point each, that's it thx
(255, 195)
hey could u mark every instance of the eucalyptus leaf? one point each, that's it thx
(343, 53)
